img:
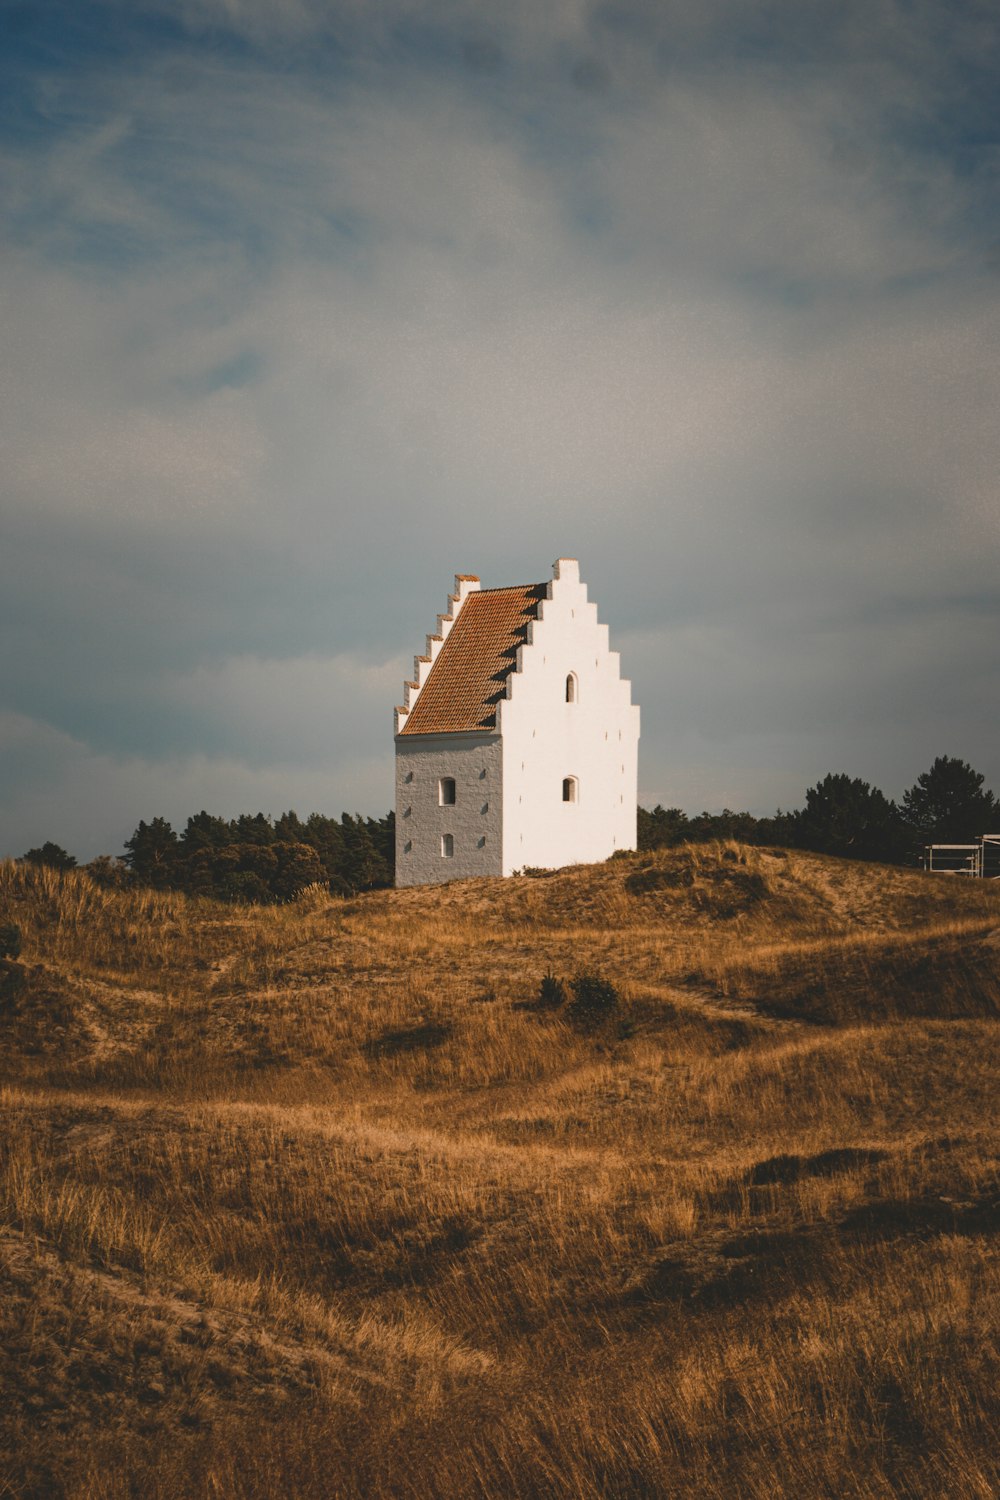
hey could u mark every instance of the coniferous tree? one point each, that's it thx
(949, 804)
(289, 828)
(724, 825)
(249, 858)
(151, 853)
(203, 831)
(847, 816)
(663, 827)
(52, 855)
(252, 829)
(326, 836)
(365, 866)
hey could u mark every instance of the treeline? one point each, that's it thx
(255, 858)
(249, 858)
(845, 815)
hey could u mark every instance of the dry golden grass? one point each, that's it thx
(314, 1201)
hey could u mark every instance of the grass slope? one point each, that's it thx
(315, 1201)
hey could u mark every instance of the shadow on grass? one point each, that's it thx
(408, 1039)
(722, 1269)
(782, 1169)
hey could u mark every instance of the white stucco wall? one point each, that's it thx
(546, 739)
(474, 820)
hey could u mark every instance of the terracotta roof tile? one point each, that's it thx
(470, 672)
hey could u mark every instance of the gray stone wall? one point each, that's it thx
(474, 820)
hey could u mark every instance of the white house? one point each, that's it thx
(517, 743)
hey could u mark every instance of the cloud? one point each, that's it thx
(90, 802)
(305, 714)
(307, 310)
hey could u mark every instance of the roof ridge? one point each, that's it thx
(512, 588)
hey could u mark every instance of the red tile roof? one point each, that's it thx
(470, 672)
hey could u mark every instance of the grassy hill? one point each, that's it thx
(317, 1200)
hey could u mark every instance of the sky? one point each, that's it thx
(306, 307)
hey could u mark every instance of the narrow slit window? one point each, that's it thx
(572, 688)
(447, 845)
(570, 789)
(446, 791)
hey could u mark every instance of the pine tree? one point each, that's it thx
(948, 803)
(846, 816)
(151, 853)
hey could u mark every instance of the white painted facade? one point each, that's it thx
(566, 717)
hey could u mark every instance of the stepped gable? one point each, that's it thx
(470, 671)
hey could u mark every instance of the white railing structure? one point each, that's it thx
(989, 862)
(980, 860)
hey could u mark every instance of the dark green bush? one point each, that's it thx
(111, 874)
(594, 998)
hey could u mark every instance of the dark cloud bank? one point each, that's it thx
(305, 311)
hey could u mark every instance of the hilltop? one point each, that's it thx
(318, 1199)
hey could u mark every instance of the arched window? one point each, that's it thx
(570, 789)
(446, 791)
(572, 688)
(447, 845)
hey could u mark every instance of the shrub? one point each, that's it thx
(594, 998)
(10, 940)
(13, 978)
(243, 885)
(552, 992)
(111, 874)
(53, 856)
